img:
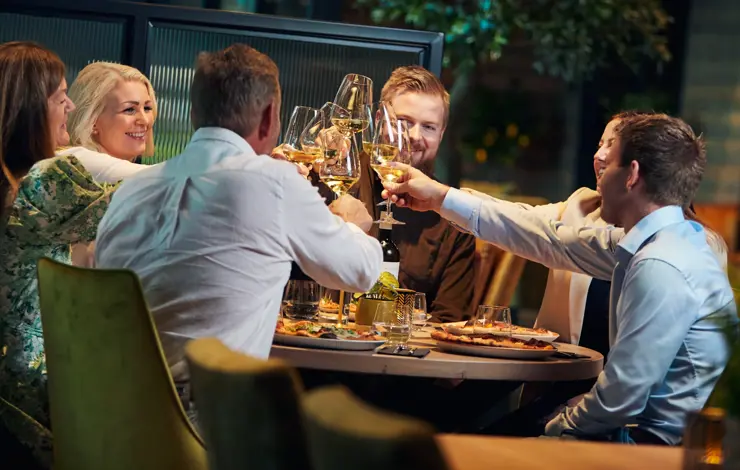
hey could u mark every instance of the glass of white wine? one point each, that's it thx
(340, 168)
(294, 139)
(391, 143)
(355, 95)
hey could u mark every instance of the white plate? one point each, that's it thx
(324, 343)
(456, 328)
(490, 351)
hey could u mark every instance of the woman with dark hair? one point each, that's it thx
(48, 204)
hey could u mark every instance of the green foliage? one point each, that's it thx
(571, 38)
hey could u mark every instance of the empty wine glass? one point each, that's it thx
(355, 95)
(293, 144)
(391, 143)
(340, 168)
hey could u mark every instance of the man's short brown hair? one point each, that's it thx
(671, 157)
(415, 78)
(232, 87)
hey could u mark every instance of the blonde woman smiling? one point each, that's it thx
(111, 128)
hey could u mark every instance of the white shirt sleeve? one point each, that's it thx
(103, 167)
(336, 254)
(525, 233)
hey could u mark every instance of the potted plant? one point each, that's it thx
(380, 299)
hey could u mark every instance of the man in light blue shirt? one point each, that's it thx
(669, 301)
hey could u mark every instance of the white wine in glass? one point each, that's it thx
(293, 144)
(355, 95)
(391, 143)
(340, 168)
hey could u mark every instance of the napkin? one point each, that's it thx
(412, 351)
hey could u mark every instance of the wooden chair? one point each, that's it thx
(248, 409)
(113, 403)
(498, 275)
(344, 432)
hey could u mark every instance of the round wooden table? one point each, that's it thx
(446, 366)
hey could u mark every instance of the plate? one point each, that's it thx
(322, 343)
(456, 328)
(490, 351)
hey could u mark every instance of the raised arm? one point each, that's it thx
(103, 167)
(589, 250)
(336, 254)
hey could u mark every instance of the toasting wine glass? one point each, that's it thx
(293, 142)
(391, 143)
(340, 168)
(355, 95)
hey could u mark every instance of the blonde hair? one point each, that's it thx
(88, 93)
(415, 78)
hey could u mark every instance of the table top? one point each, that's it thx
(468, 452)
(442, 365)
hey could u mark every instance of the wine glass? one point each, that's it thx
(340, 168)
(294, 144)
(391, 143)
(355, 95)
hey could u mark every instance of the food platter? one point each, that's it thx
(325, 336)
(518, 332)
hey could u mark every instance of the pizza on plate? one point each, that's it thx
(499, 328)
(490, 340)
(317, 330)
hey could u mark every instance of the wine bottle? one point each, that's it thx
(391, 255)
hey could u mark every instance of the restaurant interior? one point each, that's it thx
(464, 353)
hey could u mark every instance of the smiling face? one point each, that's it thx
(618, 185)
(59, 107)
(605, 143)
(425, 114)
(122, 128)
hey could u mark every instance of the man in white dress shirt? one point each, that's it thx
(212, 232)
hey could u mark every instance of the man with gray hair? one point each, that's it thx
(212, 232)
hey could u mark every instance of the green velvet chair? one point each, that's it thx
(248, 409)
(112, 400)
(344, 432)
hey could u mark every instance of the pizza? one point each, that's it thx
(317, 330)
(490, 340)
(330, 306)
(499, 328)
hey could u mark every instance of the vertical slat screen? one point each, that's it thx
(311, 69)
(78, 42)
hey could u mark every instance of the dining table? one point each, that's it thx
(445, 365)
(470, 452)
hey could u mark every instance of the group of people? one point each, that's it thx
(212, 233)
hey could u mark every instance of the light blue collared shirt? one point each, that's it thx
(669, 302)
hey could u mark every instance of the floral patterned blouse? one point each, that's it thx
(58, 204)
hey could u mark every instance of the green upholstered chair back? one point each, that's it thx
(112, 400)
(248, 409)
(342, 429)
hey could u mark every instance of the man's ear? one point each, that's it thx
(266, 121)
(634, 175)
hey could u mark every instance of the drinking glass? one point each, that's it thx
(301, 300)
(396, 326)
(293, 141)
(355, 95)
(340, 168)
(482, 317)
(391, 143)
(502, 317)
(420, 310)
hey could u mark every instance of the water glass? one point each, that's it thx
(396, 326)
(502, 317)
(420, 310)
(301, 300)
